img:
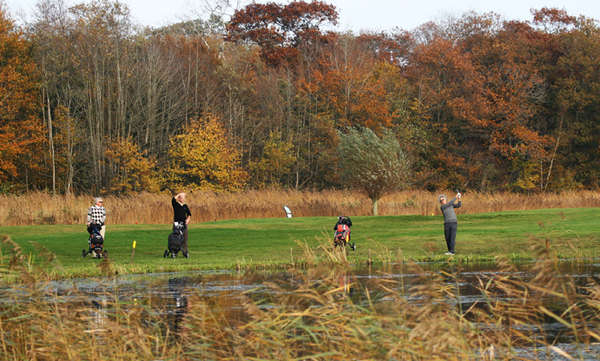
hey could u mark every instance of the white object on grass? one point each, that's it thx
(288, 212)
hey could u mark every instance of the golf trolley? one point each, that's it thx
(175, 240)
(341, 237)
(95, 243)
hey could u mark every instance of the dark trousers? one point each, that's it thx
(450, 234)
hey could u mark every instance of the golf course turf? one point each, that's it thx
(276, 241)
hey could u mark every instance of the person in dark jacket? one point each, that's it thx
(182, 215)
(450, 220)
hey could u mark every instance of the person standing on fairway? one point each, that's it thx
(97, 216)
(182, 214)
(450, 220)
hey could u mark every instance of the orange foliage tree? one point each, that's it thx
(481, 91)
(279, 29)
(447, 95)
(21, 133)
(512, 91)
(568, 49)
(350, 85)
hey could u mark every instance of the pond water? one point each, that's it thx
(171, 292)
(230, 284)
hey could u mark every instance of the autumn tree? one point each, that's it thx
(118, 81)
(568, 49)
(54, 63)
(21, 135)
(202, 158)
(512, 93)
(133, 170)
(287, 36)
(340, 83)
(276, 162)
(67, 144)
(476, 101)
(350, 85)
(478, 88)
(280, 29)
(447, 96)
(373, 164)
(85, 57)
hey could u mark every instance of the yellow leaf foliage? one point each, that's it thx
(203, 159)
(134, 172)
(277, 160)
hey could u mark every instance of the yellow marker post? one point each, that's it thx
(133, 249)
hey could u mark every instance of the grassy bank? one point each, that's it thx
(279, 241)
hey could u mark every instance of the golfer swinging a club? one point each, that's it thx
(450, 220)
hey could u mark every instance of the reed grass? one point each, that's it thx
(321, 313)
(146, 208)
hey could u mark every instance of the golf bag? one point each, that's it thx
(175, 240)
(95, 242)
(341, 237)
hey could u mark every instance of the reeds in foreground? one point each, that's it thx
(320, 313)
(146, 208)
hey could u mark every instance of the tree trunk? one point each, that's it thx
(375, 200)
(554, 152)
(70, 150)
(51, 144)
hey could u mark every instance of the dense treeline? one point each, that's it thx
(90, 102)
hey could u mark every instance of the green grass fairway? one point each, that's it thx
(261, 242)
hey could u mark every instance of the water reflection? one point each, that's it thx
(176, 287)
(176, 304)
(98, 315)
(465, 281)
(462, 287)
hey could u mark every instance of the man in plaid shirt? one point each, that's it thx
(97, 215)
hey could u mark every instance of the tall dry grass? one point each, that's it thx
(316, 315)
(146, 208)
